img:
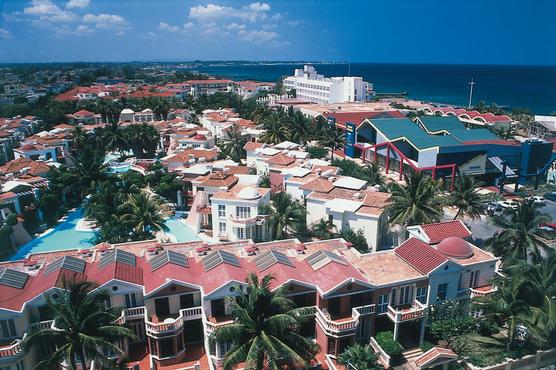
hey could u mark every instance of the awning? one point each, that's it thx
(497, 162)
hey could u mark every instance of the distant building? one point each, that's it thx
(311, 86)
(543, 127)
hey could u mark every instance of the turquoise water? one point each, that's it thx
(119, 168)
(181, 231)
(64, 236)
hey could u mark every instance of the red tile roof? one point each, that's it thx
(420, 255)
(281, 159)
(442, 230)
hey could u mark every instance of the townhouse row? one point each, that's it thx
(175, 295)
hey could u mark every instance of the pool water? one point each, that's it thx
(119, 167)
(62, 237)
(181, 231)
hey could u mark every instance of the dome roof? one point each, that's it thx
(127, 111)
(455, 247)
(28, 147)
(147, 110)
(249, 193)
(199, 137)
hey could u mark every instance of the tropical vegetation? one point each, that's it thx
(287, 216)
(465, 198)
(360, 357)
(265, 333)
(83, 329)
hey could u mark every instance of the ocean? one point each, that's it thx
(531, 87)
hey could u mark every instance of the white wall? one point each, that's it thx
(427, 157)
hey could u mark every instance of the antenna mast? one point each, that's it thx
(471, 84)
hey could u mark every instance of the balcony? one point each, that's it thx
(342, 325)
(483, 291)
(129, 314)
(14, 348)
(415, 311)
(213, 323)
(246, 221)
(170, 325)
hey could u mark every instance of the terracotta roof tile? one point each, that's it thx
(420, 255)
(442, 230)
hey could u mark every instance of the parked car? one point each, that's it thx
(536, 199)
(493, 208)
(507, 204)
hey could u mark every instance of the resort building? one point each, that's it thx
(128, 115)
(84, 117)
(313, 87)
(208, 87)
(543, 127)
(175, 295)
(221, 120)
(442, 146)
(185, 158)
(248, 89)
(24, 166)
(36, 152)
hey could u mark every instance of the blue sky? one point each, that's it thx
(396, 31)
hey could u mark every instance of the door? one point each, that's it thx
(218, 307)
(186, 301)
(334, 305)
(162, 307)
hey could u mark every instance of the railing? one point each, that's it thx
(463, 294)
(416, 311)
(529, 362)
(383, 357)
(481, 293)
(337, 326)
(174, 324)
(12, 350)
(213, 326)
(15, 347)
(131, 314)
(244, 220)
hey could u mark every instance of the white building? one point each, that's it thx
(236, 213)
(311, 86)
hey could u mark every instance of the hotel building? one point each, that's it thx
(313, 87)
(175, 295)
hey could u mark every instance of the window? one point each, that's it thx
(7, 328)
(441, 293)
(243, 212)
(474, 279)
(130, 300)
(406, 294)
(259, 231)
(382, 303)
(222, 227)
(331, 219)
(20, 365)
(241, 233)
(221, 210)
(422, 295)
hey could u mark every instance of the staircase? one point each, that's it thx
(410, 355)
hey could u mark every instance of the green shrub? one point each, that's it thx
(317, 152)
(487, 327)
(385, 340)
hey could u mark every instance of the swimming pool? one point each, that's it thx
(114, 167)
(62, 237)
(181, 231)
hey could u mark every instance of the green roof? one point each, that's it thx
(398, 128)
(453, 126)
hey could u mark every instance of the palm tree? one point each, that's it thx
(275, 130)
(114, 138)
(83, 329)
(88, 172)
(323, 229)
(415, 203)
(142, 213)
(265, 331)
(539, 289)
(505, 133)
(465, 198)
(506, 306)
(360, 357)
(519, 236)
(332, 138)
(288, 216)
(299, 128)
(372, 174)
(232, 144)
